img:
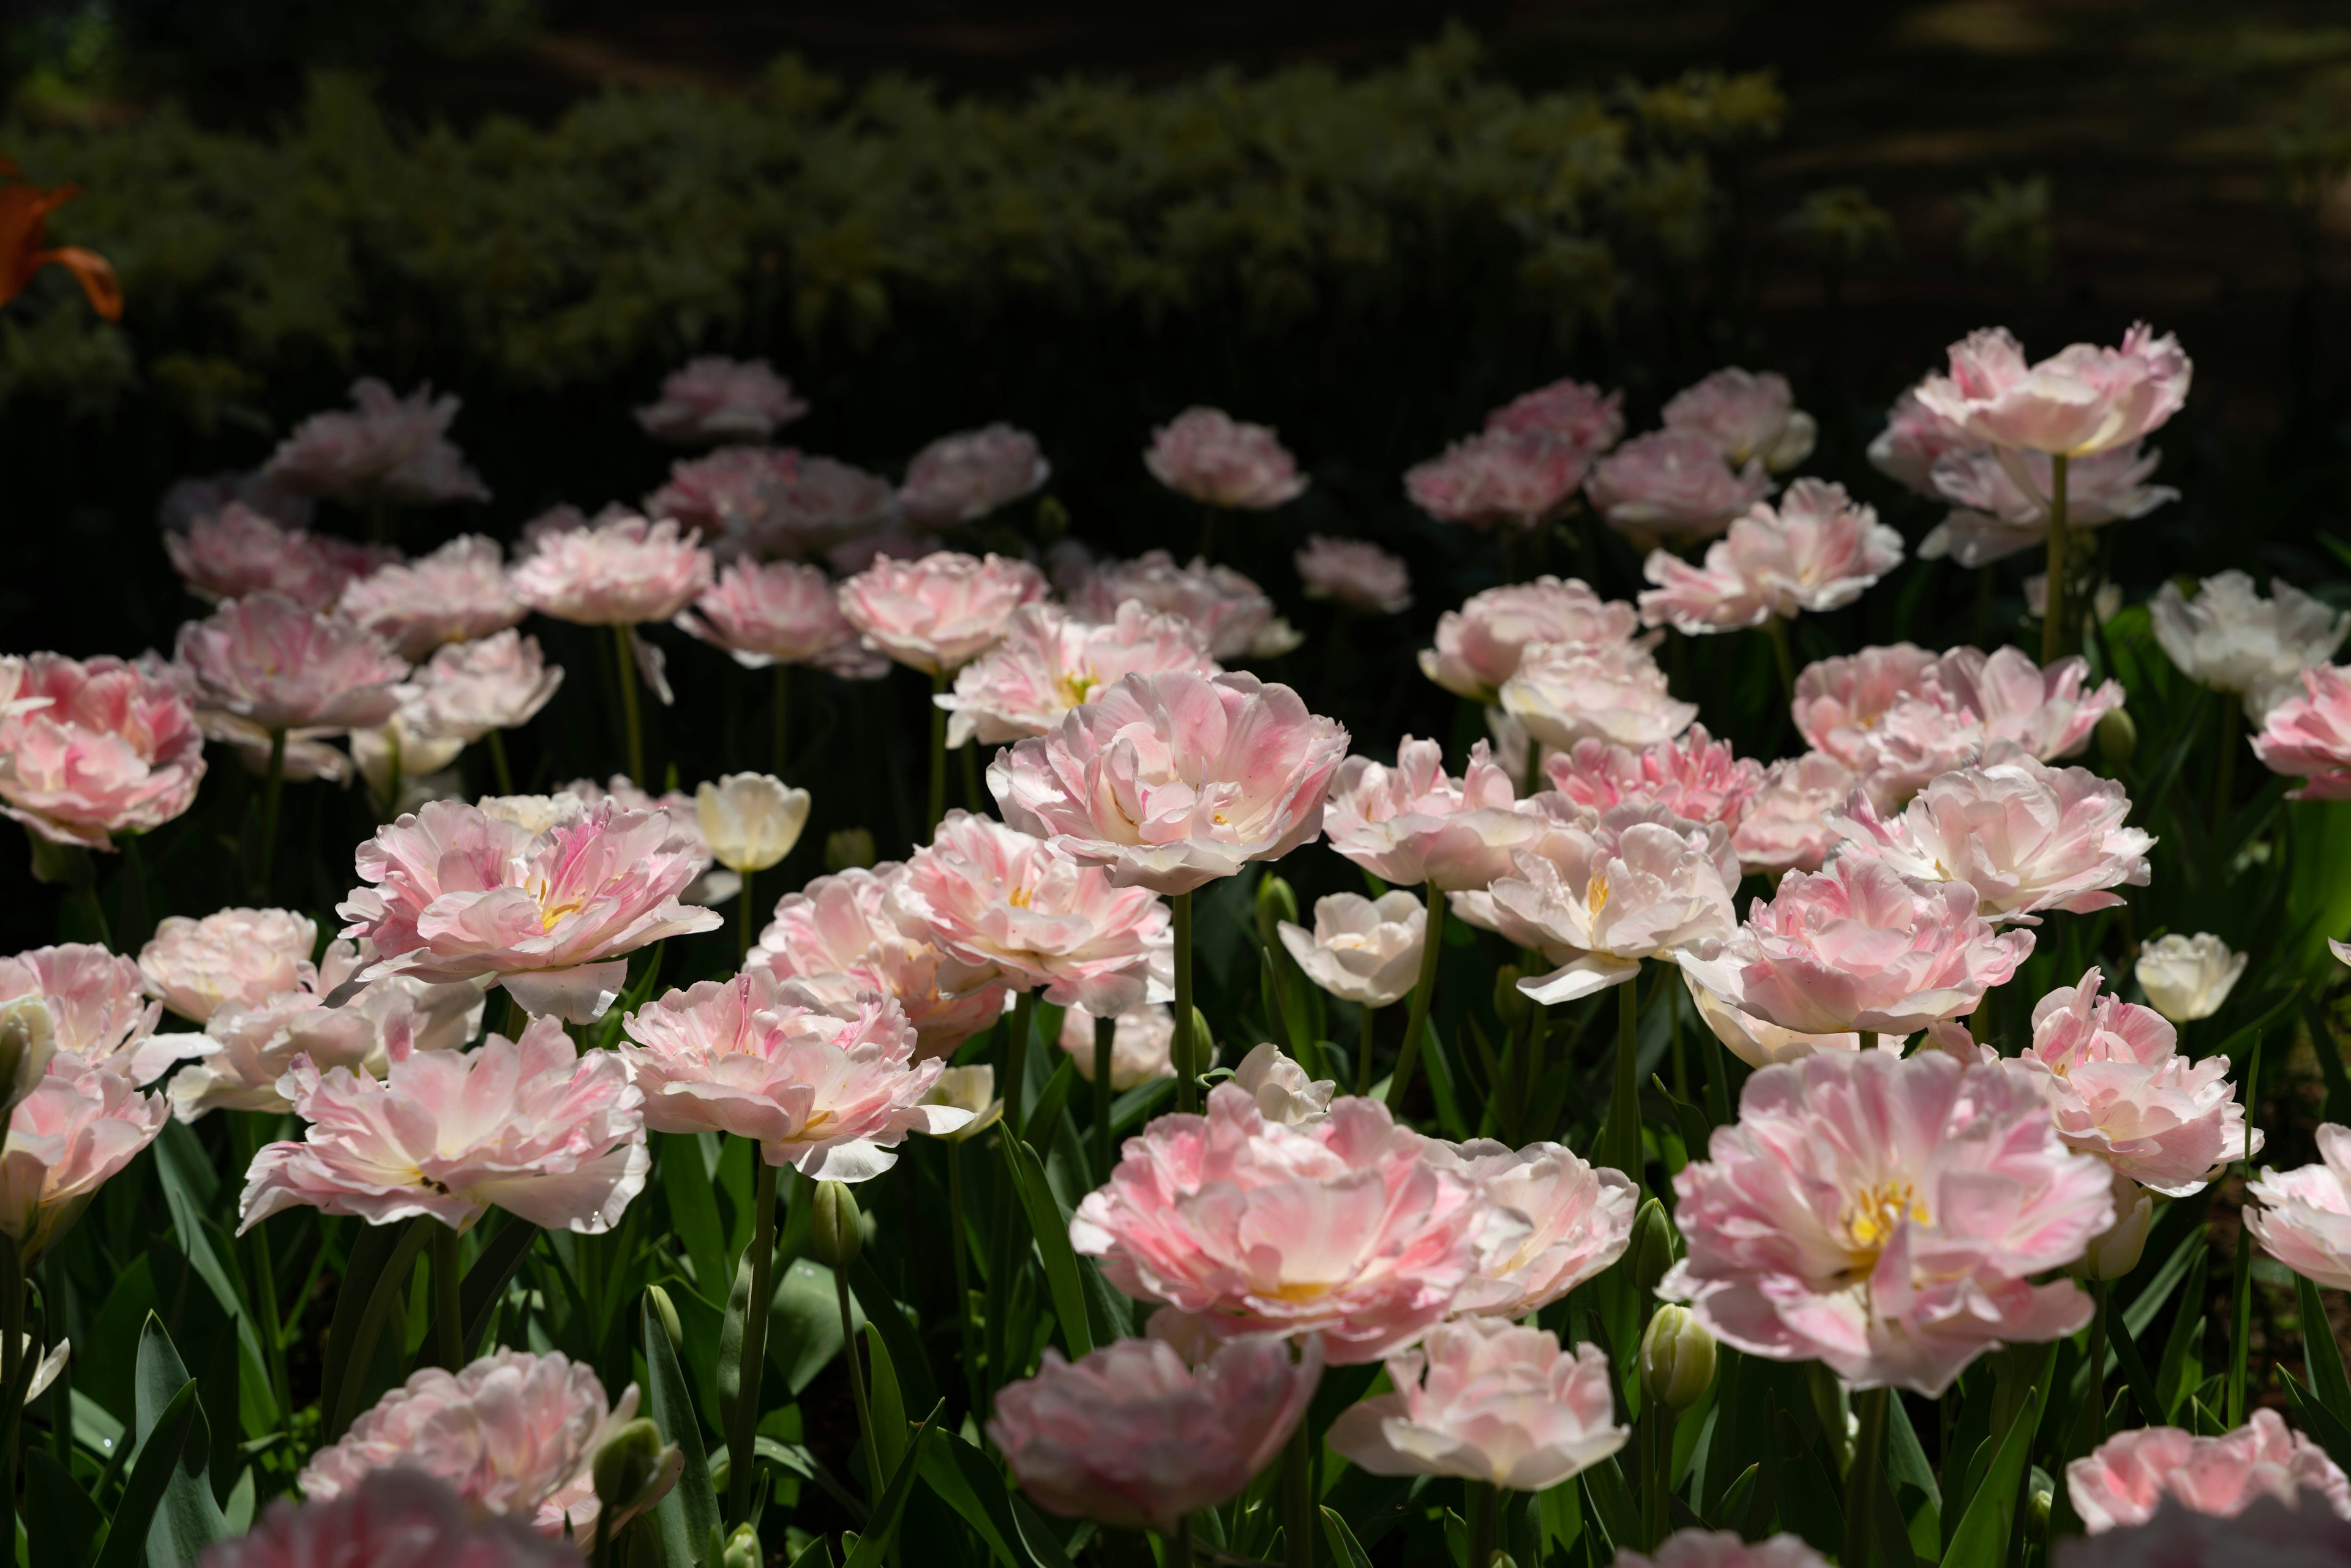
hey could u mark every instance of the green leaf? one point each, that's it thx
(1051, 1227)
(886, 1407)
(881, 1311)
(1982, 1536)
(485, 1283)
(803, 1324)
(129, 1532)
(370, 1253)
(60, 1521)
(882, 1526)
(185, 1173)
(1906, 1457)
(694, 1209)
(2330, 1433)
(1345, 1553)
(817, 1554)
(2183, 1358)
(688, 1515)
(188, 1518)
(974, 1489)
(1800, 1487)
(2322, 1358)
(1611, 1504)
(390, 1281)
(1730, 1513)
(1046, 1113)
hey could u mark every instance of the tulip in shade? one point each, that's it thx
(1487, 1401)
(2301, 1217)
(1142, 1042)
(1479, 646)
(2078, 402)
(1355, 573)
(458, 593)
(734, 498)
(97, 1007)
(962, 478)
(1230, 612)
(526, 1125)
(1362, 950)
(1562, 694)
(2304, 1532)
(1696, 1548)
(92, 748)
(390, 446)
(713, 398)
(2002, 499)
(1746, 415)
(1130, 1435)
(1914, 439)
(1283, 1093)
(750, 821)
(1818, 551)
(1344, 1228)
(848, 934)
(1574, 411)
(231, 957)
(1050, 662)
(2188, 977)
(2231, 639)
(1014, 910)
(938, 613)
(1786, 825)
(2126, 1477)
(239, 551)
(1579, 1218)
(1884, 1216)
(1673, 484)
(269, 661)
(82, 1121)
(1695, 777)
(2308, 737)
(1206, 454)
(514, 1433)
(620, 572)
(395, 1518)
(1520, 477)
(1413, 823)
(468, 689)
(1174, 780)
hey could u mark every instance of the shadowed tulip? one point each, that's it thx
(2126, 1477)
(713, 398)
(1206, 454)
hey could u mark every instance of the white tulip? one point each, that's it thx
(2231, 639)
(2188, 977)
(751, 820)
(1282, 1090)
(1361, 950)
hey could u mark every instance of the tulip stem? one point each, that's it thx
(782, 689)
(743, 919)
(1868, 1039)
(448, 1303)
(743, 1422)
(1623, 1148)
(499, 768)
(1479, 1502)
(2098, 1293)
(1016, 1058)
(1106, 1043)
(1657, 1425)
(1861, 1482)
(252, 1133)
(962, 1240)
(1416, 1017)
(633, 723)
(1180, 1545)
(1187, 1078)
(273, 787)
(1777, 631)
(938, 754)
(1298, 1498)
(2052, 619)
(874, 1480)
(1364, 1049)
(12, 1360)
(2224, 769)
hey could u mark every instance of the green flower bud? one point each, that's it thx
(742, 1548)
(666, 1311)
(2117, 736)
(836, 1230)
(627, 1465)
(1651, 1252)
(1510, 1004)
(1275, 903)
(1676, 1359)
(845, 848)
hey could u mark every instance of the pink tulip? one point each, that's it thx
(1562, 694)
(1017, 911)
(92, 748)
(231, 957)
(459, 591)
(1282, 1090)
(97, 1007)
(1490, 1401)
(2118, 1088)
(2046, 711)
(1576, 411)
(734, 497)
(1050, 662)
(1914, 438)
(1362, 950)
(779, 613)
(622, 573)
(1143, 1045)
(713, 398)
(1229, 611)
(1884, 1216)
(831, 508)
(202, 495)
(2127, 1476)
(272, 663)
(1579, 1220)
(1747, 416)
(2306, 736)
(468, 689)
(2081, 401)
(396, 1517)
(1206, 454)
(1343, 1229)
(938, 613)
(962, 478)
(1786, 824)
(1479, 645)
(1695, 777)
(1522, 477)
(461, 894)
(1673, 484)
(239, 551)
(514, 1433)
(1881, 712)
(1131, 1436)
(1174, 780)
(1859, 946)
(527, 1125)
(82, 1122)
(1414, 823)
(395, 447)
(1817, 552)
(2003, 498)
(2301, 1217)
(1355, 573)
(1760, 1044)
(846, 934)
(536, 813)
(1697, 1548)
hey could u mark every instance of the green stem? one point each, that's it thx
(1187, 1077)
(1417, 1016)
(1656, 1474)
(2054, 638)
(499, 768)
(1016, 1059)
(1480, 1502)
(743, 1425)
(782, 689)
(1179, 1546)
(1623, 1145)
(874, 1480)
(2099, 1290)
(938, 805)
(12, 1357)
(1781, 657)
(1868, 1038)
(633, 723)
(448, 1303)
(973, 801)
(743, 919)
(273, 786)
(1871, 1405)
(963, 1279)
(2224, 768)
(1105, 1040)
(1298, 1500)
(1364, 1049)
(251, 1128)
(390, 1287)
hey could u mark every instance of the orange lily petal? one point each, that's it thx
(92, 271)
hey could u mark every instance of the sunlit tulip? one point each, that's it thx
(394, 1518)
(2080, 401)
(2307, 736)
(1362, 950)
(1816, 552)
(1479, 645)
(97, 1007)
(1578, 410)
(1282, 1090)
(750, 821)
(1881, 714)
(1786, 826)
(92, 748)
(1579, 1219)
(961, 478)
(2124, 1478)
(938, 613)
(972, 1090)
(622, 573)
(389, 447)
(1206, 454)
(468, 689)
(1230, 612)
(270, 662)
(2188, 977)
(1746, 415)
(1355, 573)
(80, 1122)
(848, 934)
(1049, 662)
(1562, 694)
(1414, 823)
(231, 958)
(2051, 712)
(2114, 1251)
(458, 593)
(1759, 1043)
(2229, 638)
(1673, 484)
(713, 398)
(2302, 1217)
(1695, 777)
(1143, 1045)
(1522, 478)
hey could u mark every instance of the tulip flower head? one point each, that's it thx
(89, 748)
(1748, 416)
(1361, 949)
(1674, 485)
(81, 1121)
(1695, 777)
(750, 821)
(96, 1007)
(2078, 402)
(938, 613)
(962, 478)
(1522, 478)
(1208, 455)
(2308, 737)
(459, 592)
(1816, 552)
(1575, 410)
(1049, 662)
(2188, 977)
(391, 1519)
(1578, 1218)
(1414, 823)
(1230, 612)
(269, 661)
(850, 932)
(387, 446)
(1355, 573)
(2231, 639)
(2301, 1217)
(2125, 1478)
(1143, 1045)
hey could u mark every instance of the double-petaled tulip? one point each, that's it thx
(2049, 711)
(1673, 484)
(1283, 1091)
(1564, 693)
(1143, 1045)
(1746, 415)
(237, 551)
(274, 664)
(2301, 1217)
(938, 613)
(468, 689)
(1412, 822)
(1520, 477)
(2306, 736)
(961, 478)
(713, 398)
(2082, 401)
(1579, 1219)
(622, 571)
(395, 1518)
(231, 958)
(2188, 977)
(1232, 613)
(1881, 714)
(80, 1122)
(89, 748)
(1355, 573)
(98, 1008)
(1697, 1548)
(779, 613)
(1695, 777)
(458, 593)
(1479, 646)
(1577, 411)
(1785, 827)
(389, 447)
(1206, 454)
(2003, 501)
(1816, 552)
(847, 933)
(2125, 1478)
(1361, 950)
(2231, 639)
(1913, 440)
(1049, 662)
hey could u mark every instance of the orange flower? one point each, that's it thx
(24, 209)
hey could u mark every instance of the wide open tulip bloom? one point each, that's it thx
(1520, 477)
(2046, 711)
(1562, 694)
(1579, 1220)
(458, 593)
(468, 689)
(961, 478)
(1131, 1436)
(1884, 1216)
(2188, 977)
(515, 1433)
(2301, 1217)
(231, 957)
(1206, 454)
(1479, 645)
(1746, 415)
(1487, 1401)
(1231, 612)
(734, 498)
(1860, 946)
(1785, 827)
(845, 934)
(1143, 1044)
(2082, 401)
(2002, 500)
(2231, 639)
(391, 447)
(239, 551)
(1343, 1227)
(89, 748)
(2306, 736)
(82, 1121)
(458, 893)
(938, 613)
(713, 398)
(1014, 910)
(1049, 662)
(1355, 573)
(1413, 823)
(620, 572)
(1576, 411)
(527, 1125)
(1673, 484)
(779, 613)
(1177, 779)
(1816, 552)
(2125, 1478)
(275, 664)
(1695, 777)
(395, 1518)
(1696, 1548)
(1361, 949)
(1883, 714)
(97, 1007)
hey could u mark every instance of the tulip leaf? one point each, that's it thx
(485, 1283)
(2332, 1433)
(1984, 1530)
(1051, 1227)
(128, 1534)
(2322, 1358)
(1345, 1552)
(817, 1554)
(185, 1174)
(688, 1515)
(188, 1518)
(694, 1209)
(1044, 1116)
(370, 1254)
(803, 1324)
(888, 1319)
(60, 1521)
(2182, 1368)
(887, 1408)
(881, 1527)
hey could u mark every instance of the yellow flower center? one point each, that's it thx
(1075, 688)
(1596, 894)
(1305, 1290)
(1876, 1210)
(1019, 899)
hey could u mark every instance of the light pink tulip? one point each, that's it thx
(1479, 645)
(2026, 836)
(82, 1122)
(396, 1517)
(1577, 411)
(1696, 1548)
(622, 573)
(391, 447)
(2003, 498)
(468, 689)
(2118, 1088)
(938, 613)
(197, 495)
(1579, 1220)
(1206, 454)
(961, 478)
(1415, 823)
(1914, 439)
(239, 551)
(1520, 477)
(846, 934)
(1174, 780)
(92, 748)
(269, 661)
(231, 957)
(516, 1433)
(1490, 1401)
(1362, 950)
(1131, 1436)
(1747, 416)
(1229, 611)
(2301, 1217)
(734, 498)
(1818, 551)
(2306, 736)
(1142, 1049)
(2080, 401)
(1281, 1089)
(2046, 712)
(713, 398)
(1883, 714)
(779, 613)
(1343, 1227)
(1859, 946)
(1564, 693)
(1884, 1216)
(1017, 911)
(2124, 1478)
(1050, 662)
(1786, 824)
(1355, 573)
(457, 894)
(459, 591)
(528, 1125)
(1760, 1044)
(1695, 777)
(97, 1007)
(1673, 484)
(834, 508)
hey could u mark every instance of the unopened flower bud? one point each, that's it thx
(847, 849)
(28, 1038)
(1275, 903)
(1204, 1045)
(836, 1231)
(1652, 1250)
(2117, 736)
(666, 1311)
(1676, 1359)
(2114, 1251)
(627, 1467)
(742, 1548)
(751, 821)
(1510, 1004)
